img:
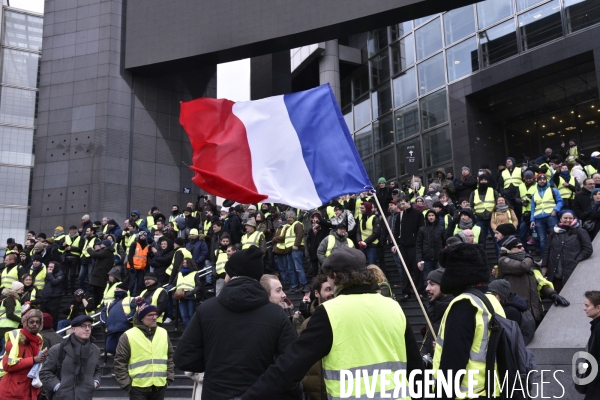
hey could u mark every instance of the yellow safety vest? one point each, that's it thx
(105, 229)
(148, 359)
(4, 321)
(476, 232)
(252, 239)
(8, 277)
(207, 225)
(86, 244)
(13, 356)
(487, 205)
(544, 204)
(281, 246)
(357, 205)
(172, 219)
(186, 254)
(71, 242)
(512, 179)
(477, 355)
(86, 312)
(109, 293)
(187, 283)
(565, 192)
(221, 260)
(33, 294)
(154, 300)
(589, 170)
(150, 222)
(290, 236)
(59, 238)
(331, 243)
(368, 231)
(420, 193)
(524, 191)
(40, 278)
(365, 346)
(125, 304)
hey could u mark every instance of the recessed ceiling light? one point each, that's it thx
(590, 122)
(553, 117)
(543, 126)
(569, 128)
(572, 112)
(457, 62)
(527, 130)
(551, 134)
(560, 120)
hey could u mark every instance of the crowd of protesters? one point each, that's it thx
(168, 263)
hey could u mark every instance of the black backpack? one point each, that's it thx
(506, 347)
(527, 326)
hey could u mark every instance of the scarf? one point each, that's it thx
(34, 340)
(186, 270)
(81, 353)
(595, 206)
(465, 225)
(566, 175)
(520, 256)
(502, 208)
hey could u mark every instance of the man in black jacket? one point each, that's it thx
(583, 199)
(337, 326)
(438, 303)
(234, 337)
(430, 240)
(591, 306)
(406, 225)
(466, 184)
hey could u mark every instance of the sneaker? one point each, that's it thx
(167, 320)
(531, 240)
(404, 297)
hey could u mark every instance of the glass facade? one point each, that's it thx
(20, 53)
(399, 96)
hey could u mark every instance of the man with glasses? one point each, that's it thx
(79, 374)
(583, 199)
(144, 358)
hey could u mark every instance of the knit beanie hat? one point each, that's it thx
(453, 240)
(144, 308)
(435, 186)
(528, 174)
(107, 243)
(506, 229)
(246, 263)
(36, 257)
(435, 276)
(501, 287)
(16, 286)
(381, 180)
(39, 246)
(368, 207)
(510, 242)
(465, 265)
(48, 321)
(467, 168)
(151, 275)
(179, 242)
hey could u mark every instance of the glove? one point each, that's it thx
(559, 300)
(362, 245)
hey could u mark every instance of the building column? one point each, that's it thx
(329, 67)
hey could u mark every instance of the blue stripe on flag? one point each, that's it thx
(327, 147)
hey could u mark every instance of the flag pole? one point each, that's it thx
(407, 272)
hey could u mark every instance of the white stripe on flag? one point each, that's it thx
(278, 167)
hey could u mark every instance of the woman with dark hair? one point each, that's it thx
(591, 217)
(567, 244)
(30, 292)
(188, 281)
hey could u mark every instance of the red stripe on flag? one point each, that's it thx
(221, 158)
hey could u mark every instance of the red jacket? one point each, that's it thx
(15, 385)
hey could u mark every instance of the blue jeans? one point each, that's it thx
(85, 271)
(524, 233)
(296, 269)
(371, 254)
(187, 308)
(62, 324)
(486, 226)
(281, 262)
(542, 227)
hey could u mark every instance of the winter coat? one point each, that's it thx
(582, 203)
(430, 240)
(499, 218)
(571, 247)
(384, 195)
(79, 308)
(314, 240)
(50, 338)
(406, 232)
(482, 193)
(199, 251)
(241, 320)
(313, 383)
(163, 297)
(104, 262)
(114, 318)
(15, 385)
(69, 388)
(162, 258)
(339, 242)
(513, 308)
(446, 184)
(123, 354)
(593, 347)
(235, 228)
(465, 186)
(115, 231)
(375, 235)
(435, 311)
(53, 284)
(280, 238)
(519, 273)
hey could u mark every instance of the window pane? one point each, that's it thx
(581, 14)
(20, 68)
(360, 80)
(420, 21)
(385, 164)
(363, 141)
(491, 11)
(12, 223)
(380, 68)
(348, 119)
(462, 59)
(403, 54)
(405, 87)
(434, 110)
(22, 30)
(540, 25)
(498, 43)
(400, 149)
(16, 146)
(407, 121)
(362, 113)
(431, 74)
(400, 29)
(437, 145)
(346, 92)
(377, 40)
(17, 179)
(382, 100)
(368, 163)
(17, 106)
(384, 132)
(459, 23)
(523, 4)
(429, 39)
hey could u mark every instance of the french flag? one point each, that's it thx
(293, 149)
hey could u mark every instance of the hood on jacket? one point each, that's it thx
(10, 293)
(437, 219)
(243, 294)
(517, 302)
(514, 163)
(442, 170)
(137, 212)
(169, 244)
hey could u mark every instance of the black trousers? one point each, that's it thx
(69, 267)
(410, 258)
(52, 307)
(151, 393)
